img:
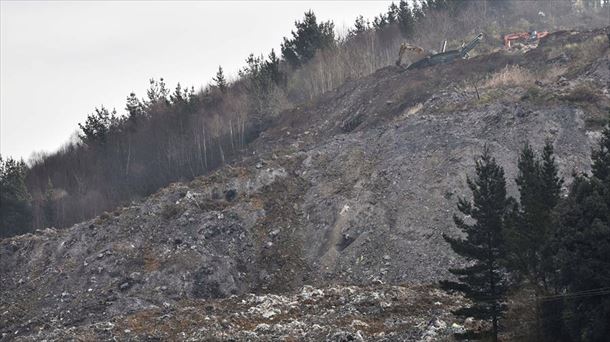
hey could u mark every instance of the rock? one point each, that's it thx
(262, 328)
(270, 313)
(358, 324)
(457, 329)
(364, 207)
(345, 336)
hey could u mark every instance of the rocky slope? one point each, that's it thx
(350, 194)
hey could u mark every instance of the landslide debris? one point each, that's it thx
(338, 313)
(349, 194)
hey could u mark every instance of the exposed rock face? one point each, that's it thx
(357, 189)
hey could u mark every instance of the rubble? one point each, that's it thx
(257, 249)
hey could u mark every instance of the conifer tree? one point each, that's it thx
(601, 157)
(529, 234)
(406, 20)
(532, 227)
(308, 38)
(360, 25)
(97, 127)
(551, 182)
(417, 11)
(272, 68)
(15, 200)
(157, 93)
(583, 253)
(484, 280)
(134, 107)
(380, 22)
(392, 13)
(220, 80)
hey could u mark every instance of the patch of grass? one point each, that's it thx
(511, 75)
(490, 96)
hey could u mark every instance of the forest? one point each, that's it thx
(177, 133)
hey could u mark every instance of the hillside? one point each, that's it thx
(348, 195)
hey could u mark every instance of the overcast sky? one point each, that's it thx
(59, 60)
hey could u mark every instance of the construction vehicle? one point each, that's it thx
(527, 37)
(404, 48)
(447, 56)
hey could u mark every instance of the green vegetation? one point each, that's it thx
(559, 247)
(178, 134)
(15, 200)
(582, 249)
(220, 80)
(484, 280)
(308, 38)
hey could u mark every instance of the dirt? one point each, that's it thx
(347, 196)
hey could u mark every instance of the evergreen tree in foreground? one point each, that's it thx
(529, 234)
(532, 225)
(484, 280)
(583, 252)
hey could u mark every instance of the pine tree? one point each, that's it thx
(272, 68)
(601, 157)
(392, 16)
(360, 26)
(529, 234)
(220, 80)
(15, 200)
(97, 127)
(405, 18)
(551, 182)
(484, 280)
(134, 107)
(380, 22)
(157, 93)
(308, 38)
(417, 11)
(583, 253)
(539, 189)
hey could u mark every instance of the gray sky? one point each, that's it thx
(59, 60)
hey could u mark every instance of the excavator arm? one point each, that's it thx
(468, 47)
(447, 56)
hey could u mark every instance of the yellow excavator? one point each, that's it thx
(406, 47)
(437, 58)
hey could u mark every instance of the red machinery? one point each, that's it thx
(525, 36)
